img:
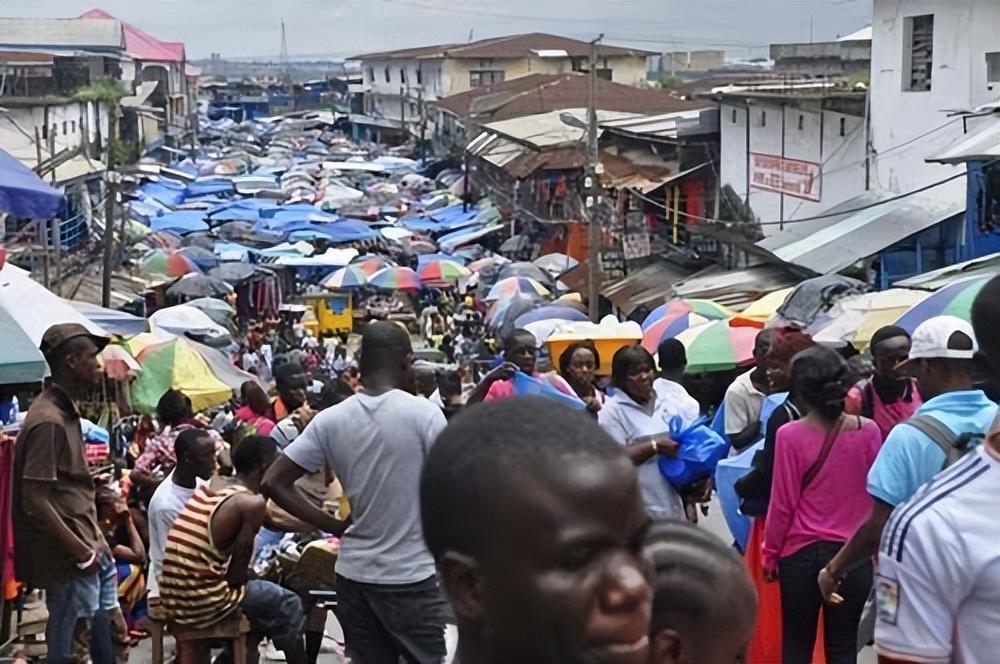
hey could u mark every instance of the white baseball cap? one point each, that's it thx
(944, 337)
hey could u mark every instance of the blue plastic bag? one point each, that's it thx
(699, 450)
(727, 473)
(527, 386)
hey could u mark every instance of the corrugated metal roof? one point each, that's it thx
(547, 129)
(834, 243)
(99, 33)
(736, 288)
(979, 145)
(649, 286)
(666, 125)
(935, 279)
(509, 46)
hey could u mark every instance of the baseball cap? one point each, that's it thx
(944, 337)
(60, 333)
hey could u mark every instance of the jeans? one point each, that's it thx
(72, 605)
(801, 602)
(274, 612)
(384, 623)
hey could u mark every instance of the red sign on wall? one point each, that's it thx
(793, 177)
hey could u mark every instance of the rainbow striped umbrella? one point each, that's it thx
(178, 265)
(443, 270)
(512, 286)
(668, 327)
(718, 346)
(676, 307)
(346, 278)
(372, 264)
(396, 278)
(955, 299)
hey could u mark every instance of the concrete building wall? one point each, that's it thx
(809, 136)
(963, 33)
(66, 126)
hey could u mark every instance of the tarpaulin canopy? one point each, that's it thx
(182, 221)
(23, 193)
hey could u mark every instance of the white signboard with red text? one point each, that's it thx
(793, 177)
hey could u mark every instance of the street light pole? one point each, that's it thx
(593, 184)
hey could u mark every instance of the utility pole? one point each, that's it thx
(593, 183)
(423, 119)
(402, 111)
(111, 191)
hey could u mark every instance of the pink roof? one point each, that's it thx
(142, 45)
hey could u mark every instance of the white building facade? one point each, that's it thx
(929, 57)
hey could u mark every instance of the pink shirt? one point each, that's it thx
(263, 425)
(837, 500)
(886, 415)
(504, 389)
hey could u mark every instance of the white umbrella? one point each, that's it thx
(35, 307)
(396, 233)
(218, 310)
(183, 319)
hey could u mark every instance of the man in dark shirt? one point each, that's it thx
(58, 544)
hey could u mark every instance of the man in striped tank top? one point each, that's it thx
(209, 547)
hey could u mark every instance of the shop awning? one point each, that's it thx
(860, 227)
(23, 193)
(982, 144)
(651, 285)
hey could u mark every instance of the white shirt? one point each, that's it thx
(938, 583)
(625, 420)
(167, 502)
(743, 402)
(376, 446)
(672, 399)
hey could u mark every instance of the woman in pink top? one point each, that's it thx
(520, 352)
(818, 500)
(255, 408)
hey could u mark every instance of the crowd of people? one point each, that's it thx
(541, 526)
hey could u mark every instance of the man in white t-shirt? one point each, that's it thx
(746, 395)
(671, 397)
(195, 451)
(376, 442)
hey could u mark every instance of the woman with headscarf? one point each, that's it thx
(577, 365)
(629, 416)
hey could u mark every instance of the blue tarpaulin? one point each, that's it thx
(340, 231)
(180, 222)
(166, 191)
(206, 187)
(23, 193)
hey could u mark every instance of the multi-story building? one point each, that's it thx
(398, 83)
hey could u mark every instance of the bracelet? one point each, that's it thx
(90, 561)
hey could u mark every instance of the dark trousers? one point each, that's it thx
(801, 602)
(383, 624)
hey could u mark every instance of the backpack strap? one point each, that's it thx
(953, 445)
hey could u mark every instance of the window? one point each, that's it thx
(802, 122)
(387, 79)
(72, 126)
(480, 78)
(371, 75)
(843, 126)
(420, 76)
(45, 131)
(65, 128)
(604, 73)
(918, 51)
(734, 116)
(763, 118)
(486, 64)
(402, 75)
(993, 67)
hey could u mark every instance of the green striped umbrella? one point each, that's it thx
(955, 299)
(718, 346)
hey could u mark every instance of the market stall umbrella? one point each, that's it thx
(116, 322)
(24, 194)
(35, 308)
(443, 271)
(718, 346)
(186, 319)
(218, 310)
(672, 308)
(177, 365)
(199, 285)
(177, 265)
(423, 247)
(118, 363)
(348, 277)
(396, 278)
(396, 233)
(556, 264)
(530, 270)
(668, 327)
(764, 307)
(204, 258)
(424, 259)
(233, 273)
(952, 300)
(372, 263)
(21, 361)
(155, 262)
(550, 312)
(855, 319)
(199, 239)
(501, 315)
(492, 261)
(516, 285)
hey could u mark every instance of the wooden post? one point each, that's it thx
(111, 189)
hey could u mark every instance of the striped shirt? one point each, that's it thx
(193, 586)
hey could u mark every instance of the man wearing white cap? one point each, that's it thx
(953, 419)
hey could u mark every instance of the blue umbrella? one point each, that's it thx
(550, 312)
(180, 222)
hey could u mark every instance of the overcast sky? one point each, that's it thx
(338, 28)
